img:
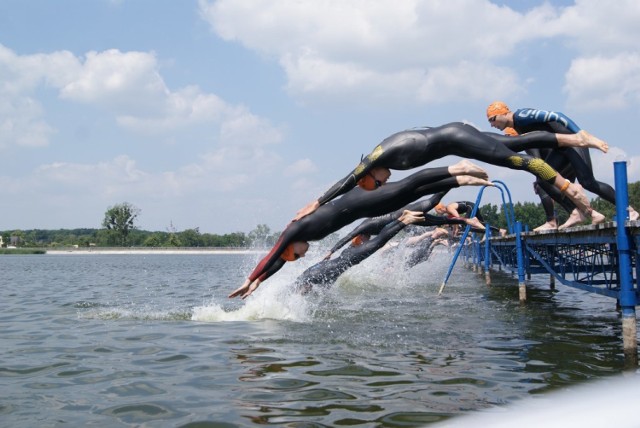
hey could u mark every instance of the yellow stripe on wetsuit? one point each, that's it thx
(536, 166)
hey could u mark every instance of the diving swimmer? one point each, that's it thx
(358, 204)
(413, 148)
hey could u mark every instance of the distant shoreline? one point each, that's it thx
(145, 251)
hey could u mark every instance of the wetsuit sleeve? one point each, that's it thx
(275, 267)
(436, 220)
(529, 116)
(371, 246)
(273, 257)
(371, 226)
(350, 181)
(341, 243)
(423, 205)
(341, 187)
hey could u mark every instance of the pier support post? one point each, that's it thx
(487, 255)
(520, 256)
(627, 296)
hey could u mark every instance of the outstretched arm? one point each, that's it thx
(249, 286)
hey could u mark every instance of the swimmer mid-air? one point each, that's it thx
(413, 148)
(293, 241)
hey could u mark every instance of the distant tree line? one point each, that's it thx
(137, 238)
(119, 229)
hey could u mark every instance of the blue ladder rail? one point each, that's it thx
(507, 208)
(601, 259)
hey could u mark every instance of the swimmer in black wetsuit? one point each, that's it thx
(425, 243)
(575, 162)
(373, 226)
(544, 189)
(327, 272)
(462, 210)
(354, 205)
(414, 148)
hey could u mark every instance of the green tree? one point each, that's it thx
(154, 240)
(190, 237)
(493, 216)
(119, 221)
(173, 241)
(259, 236)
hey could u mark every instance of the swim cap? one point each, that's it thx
(367, 183)
(288, 254)
(510, 132)
(358, 240)
(497, 107)
(440, 206)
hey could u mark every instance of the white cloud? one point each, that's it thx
(460, 82)
(127, 85)
(300, 167)
(21, 123)
(604, 82)
(350, 49)
(341, 49)
(594, 26)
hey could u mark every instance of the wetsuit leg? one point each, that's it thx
(546, 201)
(584, 173)
(466, 141)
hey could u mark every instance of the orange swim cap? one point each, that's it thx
(440, 206)
(357, 241)
(497, 107)
(367, 183)
(289, 254)
(360, 239)
(510, 132)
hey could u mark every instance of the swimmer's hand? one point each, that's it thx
(245, 289)
(306, 210)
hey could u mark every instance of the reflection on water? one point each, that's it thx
(152, 340)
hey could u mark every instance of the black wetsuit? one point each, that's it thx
(327, 272)
(572, 162)
(373, 226)
(352, 206)
(420, 254)
(465, 208)
(413, 148)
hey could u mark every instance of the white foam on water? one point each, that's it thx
(274, 299)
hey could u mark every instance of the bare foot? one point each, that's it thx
(475, 223)
(409, 217)
(633, 214)
(468, 180)
(576, 217)
(596, 217)
(588, 140)
(465, 167)
(550, 225)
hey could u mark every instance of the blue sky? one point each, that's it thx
(227, 114)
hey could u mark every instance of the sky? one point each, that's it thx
(223, 115)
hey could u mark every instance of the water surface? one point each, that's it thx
(152, 340)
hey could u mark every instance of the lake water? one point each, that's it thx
(152, 341)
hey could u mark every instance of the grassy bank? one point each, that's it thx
(22, 251)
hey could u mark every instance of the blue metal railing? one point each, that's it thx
(507, 209)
